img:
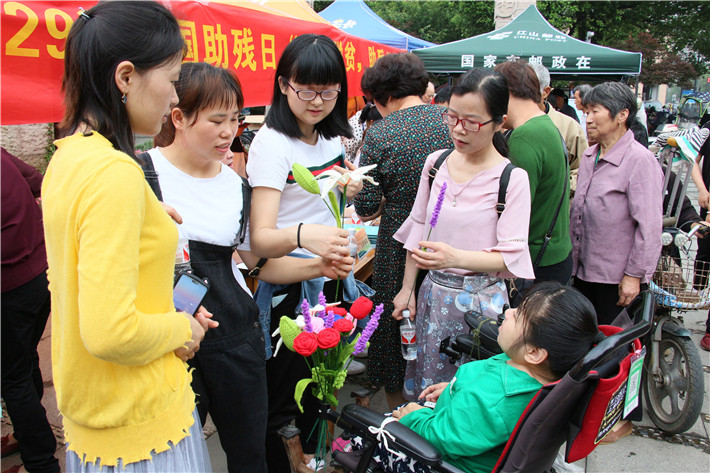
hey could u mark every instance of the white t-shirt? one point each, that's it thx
(271, 157)
(211, 208)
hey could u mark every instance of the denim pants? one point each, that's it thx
(25, 310)
(229, 378)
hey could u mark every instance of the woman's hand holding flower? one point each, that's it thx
(435, 255)
(323, 240)
(353, 185)
(337, 269)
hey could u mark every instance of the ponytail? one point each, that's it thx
(500, 144)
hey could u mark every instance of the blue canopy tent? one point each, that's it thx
(356, 18)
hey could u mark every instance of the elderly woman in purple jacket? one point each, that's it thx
(616, 216)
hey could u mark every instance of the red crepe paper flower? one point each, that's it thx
(305, 343)
(327, 338)
(361, 308)
(338, 311)
(343, 325)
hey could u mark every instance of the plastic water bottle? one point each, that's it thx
(408, 332)
(352, 245)
(182, 255)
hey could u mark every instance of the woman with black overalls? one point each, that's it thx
(213, 202)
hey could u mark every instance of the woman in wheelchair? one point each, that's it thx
(475, 413)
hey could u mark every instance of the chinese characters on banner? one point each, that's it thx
(246, 41)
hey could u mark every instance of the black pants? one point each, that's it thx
(229, 378)
(24, 315)
(283, 372)
(603, 297)
(702, 265)
(560, 272)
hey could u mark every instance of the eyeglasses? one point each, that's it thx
(469, 125)
(308, 95)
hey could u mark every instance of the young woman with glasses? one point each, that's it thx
(471, 248)
(308, 116)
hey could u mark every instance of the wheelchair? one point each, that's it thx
(579, 409)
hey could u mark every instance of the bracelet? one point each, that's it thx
(298, 235)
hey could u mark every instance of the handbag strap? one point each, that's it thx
(548, 236)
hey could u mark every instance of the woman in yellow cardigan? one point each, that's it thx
(118, 345)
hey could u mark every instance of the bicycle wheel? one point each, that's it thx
(675, 397)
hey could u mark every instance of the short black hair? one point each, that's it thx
(522, 80)
(395, 76)
(559, 93)
(311, 59)
(443, 94)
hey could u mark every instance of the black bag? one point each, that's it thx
(484, 335)
(518, 287)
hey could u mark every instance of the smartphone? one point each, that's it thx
(189, 292)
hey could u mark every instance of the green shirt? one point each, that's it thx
(476, 413)
(537, 147)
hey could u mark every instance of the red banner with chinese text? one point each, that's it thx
(247, 41)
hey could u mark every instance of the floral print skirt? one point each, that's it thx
(442, 301)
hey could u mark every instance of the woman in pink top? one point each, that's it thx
(470, 248)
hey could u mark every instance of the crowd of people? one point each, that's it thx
(136, 379)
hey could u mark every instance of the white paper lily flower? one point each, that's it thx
(300, 322)
(334, 178)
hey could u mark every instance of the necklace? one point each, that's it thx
(456, 194)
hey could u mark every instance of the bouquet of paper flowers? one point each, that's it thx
(322, 334)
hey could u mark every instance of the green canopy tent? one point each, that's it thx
(530, 37)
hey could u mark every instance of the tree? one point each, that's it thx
(660, 65)
(683, 27)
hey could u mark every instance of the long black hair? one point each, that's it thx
(310, 59)
(562, 321)
(493, 88)
(144, 33)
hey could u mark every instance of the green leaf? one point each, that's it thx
(305, 179)
(330, 399)
(347, 350)
(335, 208)
(289, 331)
(300, 388)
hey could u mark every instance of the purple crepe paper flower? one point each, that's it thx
(361, 343)
(437, 206)
(306, 309)
(329, 319)
(322, 302)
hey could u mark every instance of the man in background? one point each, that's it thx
(571, 131)
(560, 102)
(429, 94)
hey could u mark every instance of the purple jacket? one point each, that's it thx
(616, 215)
(23, 254)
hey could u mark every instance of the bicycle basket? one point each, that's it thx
(678, 284)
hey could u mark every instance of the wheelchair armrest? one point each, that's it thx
(356, 419)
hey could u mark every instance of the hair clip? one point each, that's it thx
(83, 13)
